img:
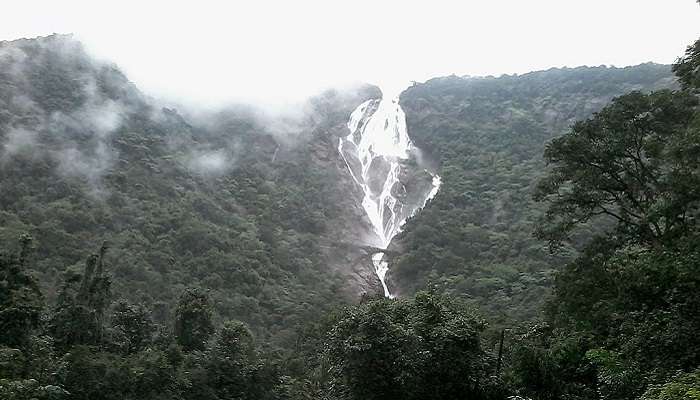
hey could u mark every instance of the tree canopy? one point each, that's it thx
(427, 348)
(633, 162)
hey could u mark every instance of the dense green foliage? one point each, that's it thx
(426, 348)
(193, 324)
(623, 321)
(634, 162)
(244, 204)
(685, 386)
(487, 136)
(686, 69)
(80, 352)
(20, 298)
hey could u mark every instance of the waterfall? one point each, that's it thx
(373, 153)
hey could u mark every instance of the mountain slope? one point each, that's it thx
(254, 207)
(487, 136)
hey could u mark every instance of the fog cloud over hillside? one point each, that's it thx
(75, 137)
(18, 140)
(212, 162)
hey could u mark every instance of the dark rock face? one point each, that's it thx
(380, 168)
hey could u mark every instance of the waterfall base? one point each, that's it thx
(381, 267)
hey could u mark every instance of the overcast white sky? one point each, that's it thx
(211, 51)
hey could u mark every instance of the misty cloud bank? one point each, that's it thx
(210, 163)
(74, 137)
(84, 118)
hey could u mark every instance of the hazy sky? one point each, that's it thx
(209, 51)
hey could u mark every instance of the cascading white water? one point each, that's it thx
(377, 142)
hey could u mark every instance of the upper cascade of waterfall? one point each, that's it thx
(374, 153)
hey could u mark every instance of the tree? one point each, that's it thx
(234, 365)
(425, 348)
(132, 326)
(687, 68)
(193, 320)
(545, 365)
(78, 318)
(27, 362)
(632, 295)
(30, 389)
(21, 301)
(628, 163)
(682, 387)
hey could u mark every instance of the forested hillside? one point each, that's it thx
(246, 205)
(487, 135)
(623, 320)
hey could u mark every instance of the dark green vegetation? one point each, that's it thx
(623, 321)
(616, 198)
(487, 136)
(425, 348)
(89, 349)
(245, 205)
